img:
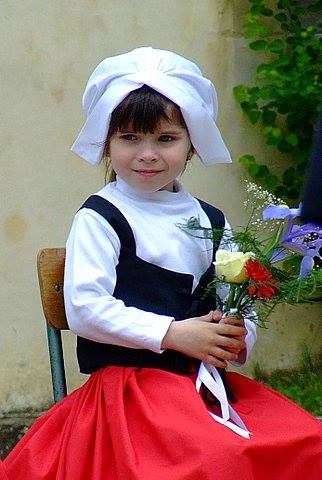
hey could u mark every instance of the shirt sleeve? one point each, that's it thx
(92, 253)
(250, 325)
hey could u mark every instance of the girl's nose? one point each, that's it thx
(148, 153)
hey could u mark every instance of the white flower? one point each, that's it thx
(231, 265)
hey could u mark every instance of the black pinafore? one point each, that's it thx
(151, 288)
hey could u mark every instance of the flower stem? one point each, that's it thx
(240, 298)
(273, 244)
(231, 297)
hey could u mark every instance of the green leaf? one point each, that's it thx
(300, 49)
(272, 140)
(247, 160)
(262, 171)
(283, 61)
(255, 30)
(292, 139)
(254, 116)
(283, 4)
(276, 132)
(267, 92)
(258, 45)
(283, 108)
(241, 93)
(271, 181)
(285, 27)
(281, 191)
(284, 147)
(317, 7)
(263, 68)
(254, 93)
(256, 10)
(253, 170)
(269, 116)
(281, 17)
(267, 130)
(261, 10)
(274, 74)
(251, 18)
(311, 28)
(276, 46)
(246, 106)
(289, 176)
(267, 12)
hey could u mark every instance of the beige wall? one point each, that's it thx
(48, 50)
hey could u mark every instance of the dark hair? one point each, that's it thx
(141, 111)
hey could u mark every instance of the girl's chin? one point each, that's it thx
(149, 184)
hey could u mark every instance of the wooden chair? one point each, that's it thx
(50, 267)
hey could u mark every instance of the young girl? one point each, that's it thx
(134, 296)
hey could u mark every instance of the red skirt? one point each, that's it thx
(129, 423)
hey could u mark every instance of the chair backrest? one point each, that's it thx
(50, 267)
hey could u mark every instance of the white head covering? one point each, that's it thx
(166, 72)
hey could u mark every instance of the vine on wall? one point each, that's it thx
(285, 97)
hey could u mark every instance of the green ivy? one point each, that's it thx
(286, 95)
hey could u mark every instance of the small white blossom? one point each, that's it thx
(257, 200)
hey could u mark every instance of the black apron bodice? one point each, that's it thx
(150, 288)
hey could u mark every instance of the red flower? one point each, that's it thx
(263, 284)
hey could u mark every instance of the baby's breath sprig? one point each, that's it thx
(257, 200)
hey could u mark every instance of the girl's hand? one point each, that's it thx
(206, 339)
(238, 321)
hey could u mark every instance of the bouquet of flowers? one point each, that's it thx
(273, 259)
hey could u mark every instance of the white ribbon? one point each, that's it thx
(209, 376)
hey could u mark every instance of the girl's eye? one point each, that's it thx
(128, 137)
(166, 138)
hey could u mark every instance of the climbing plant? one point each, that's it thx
(285, 96)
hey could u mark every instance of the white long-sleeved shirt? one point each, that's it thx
(92, 253)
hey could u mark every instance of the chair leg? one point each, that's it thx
(56, 363)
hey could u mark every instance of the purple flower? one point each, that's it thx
(306, 266)
(278, 212)
(304, 239)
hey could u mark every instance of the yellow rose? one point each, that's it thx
(231, 265)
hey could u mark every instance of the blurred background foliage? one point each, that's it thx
(302, 384)
(285, 97)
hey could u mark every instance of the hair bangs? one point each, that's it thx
(142, 110)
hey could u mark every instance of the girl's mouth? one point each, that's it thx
(148, 173)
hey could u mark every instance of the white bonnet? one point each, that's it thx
(173, 76)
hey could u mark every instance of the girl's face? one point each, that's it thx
(151, 161)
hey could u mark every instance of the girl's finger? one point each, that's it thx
(230, 343)
(234, 320)
(231, 330)
(222, 354)
(216, 316)
(215, 362)
(237, 350)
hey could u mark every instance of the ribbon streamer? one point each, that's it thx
(209, 376)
